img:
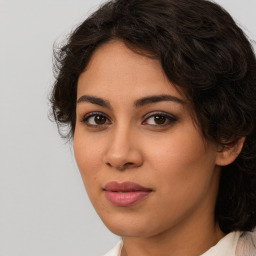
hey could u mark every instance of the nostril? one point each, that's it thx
(108, 164)
(129, 164)
(122, 166)
(125, 166)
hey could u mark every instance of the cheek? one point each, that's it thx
(178, 152)
(182, 162)
(88, 157)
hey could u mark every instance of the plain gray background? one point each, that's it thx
(44, 210)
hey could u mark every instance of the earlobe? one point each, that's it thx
(229, 153)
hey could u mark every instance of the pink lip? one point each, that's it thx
(125, 193)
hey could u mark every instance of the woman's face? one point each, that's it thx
(134, 127)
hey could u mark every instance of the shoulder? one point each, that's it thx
(246, 245)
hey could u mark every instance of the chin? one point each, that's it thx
(130, 226)
(129, 231)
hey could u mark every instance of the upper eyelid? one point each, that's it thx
(91, 114)
(170, 119)
(94, 113)
(152, 113)
(159, 113)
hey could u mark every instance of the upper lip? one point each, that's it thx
(126, 186)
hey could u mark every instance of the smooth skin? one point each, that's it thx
(133, 125)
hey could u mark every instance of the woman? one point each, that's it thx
(160, 98)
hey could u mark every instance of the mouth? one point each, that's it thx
(126, 193)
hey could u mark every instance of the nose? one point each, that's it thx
(123, 151)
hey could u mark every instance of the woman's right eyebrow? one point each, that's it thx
(94, 100)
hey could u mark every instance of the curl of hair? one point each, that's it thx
(203, 52)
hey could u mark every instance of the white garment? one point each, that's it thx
(116, 251)
(225, 247)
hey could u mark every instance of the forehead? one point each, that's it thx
(116, 68)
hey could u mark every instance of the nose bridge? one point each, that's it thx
(121, 139)
(122, 150)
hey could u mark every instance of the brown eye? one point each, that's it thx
(95, 120)
(100, 119)
(160, 119)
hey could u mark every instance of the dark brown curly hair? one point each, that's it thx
(204, 53)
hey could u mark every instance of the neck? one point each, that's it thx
(191, 242)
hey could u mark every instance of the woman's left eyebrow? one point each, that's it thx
(158, 98)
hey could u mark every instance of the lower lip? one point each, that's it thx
(125, 199)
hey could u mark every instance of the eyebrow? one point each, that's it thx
(138, 103)
(94, 100)
(157, 98)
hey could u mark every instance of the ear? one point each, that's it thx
(229, 153)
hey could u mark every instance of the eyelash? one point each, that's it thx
(86, 118)
(168, 119)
